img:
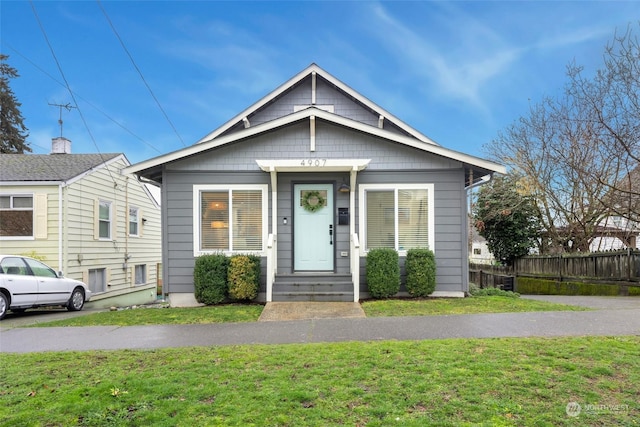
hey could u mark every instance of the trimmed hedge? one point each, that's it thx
(210, 278)
(244, 277)
(383, 272)
(420, 266)
(534, 286)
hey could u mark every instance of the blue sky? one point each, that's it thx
(458, 72)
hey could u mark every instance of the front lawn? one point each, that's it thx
(251, 312)
(453, 382)
(473, 305)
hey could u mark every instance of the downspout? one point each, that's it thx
(126, 227)
(60, 228)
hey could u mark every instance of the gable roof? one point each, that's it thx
(235, 130)
(49, 167)
(315, 71)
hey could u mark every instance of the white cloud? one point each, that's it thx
(459, 73)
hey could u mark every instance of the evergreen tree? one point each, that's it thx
(507, 218)
(13, 133)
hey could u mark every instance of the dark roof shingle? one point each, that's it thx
(48, 167)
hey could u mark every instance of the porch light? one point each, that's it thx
(344, 188)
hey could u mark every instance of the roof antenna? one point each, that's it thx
(68, 107)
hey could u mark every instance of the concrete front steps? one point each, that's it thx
(319, 287)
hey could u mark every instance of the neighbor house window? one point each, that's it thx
(97, 280)
(140, 274)
(134, 221)
(104, 220)
(16, 216)
(397, 216)
(229, 218)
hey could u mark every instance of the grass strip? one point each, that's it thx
(453, 382)
(251, 312)
(473, 305)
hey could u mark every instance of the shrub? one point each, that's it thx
(475, 291)
(244, 277)
(383, 272)
(420, 266)
(210, 278)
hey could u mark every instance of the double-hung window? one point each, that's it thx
(229, 218)
(397, 216)
(104, 219)
(16, 216)
(134, 221)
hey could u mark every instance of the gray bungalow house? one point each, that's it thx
(310, 178)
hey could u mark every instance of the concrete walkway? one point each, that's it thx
(612, 316)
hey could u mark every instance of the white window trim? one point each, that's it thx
(362, 188)
(198, 189)
(33, 214)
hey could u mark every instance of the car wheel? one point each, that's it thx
(76, 302)
(4, 305)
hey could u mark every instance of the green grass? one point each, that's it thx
(453, 382)
(159, 316)
(441, 306)
(251, 312)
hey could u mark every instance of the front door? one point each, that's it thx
(314, 234)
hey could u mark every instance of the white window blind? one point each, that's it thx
(231, 220)
(380, 219)
(398, 216)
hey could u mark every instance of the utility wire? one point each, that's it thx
(86, 101)
(75, 102)
(139, 72)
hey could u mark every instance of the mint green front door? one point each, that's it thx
(314, 234)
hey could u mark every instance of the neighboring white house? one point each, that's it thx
(614, 233)
(79, 214)
(480, 253)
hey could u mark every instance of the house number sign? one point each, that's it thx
(313, 162)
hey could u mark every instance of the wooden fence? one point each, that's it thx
(607, 267)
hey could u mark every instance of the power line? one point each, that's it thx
(87, 101)
(75, 102)
(140, 72)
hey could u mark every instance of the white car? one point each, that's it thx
(28, 283)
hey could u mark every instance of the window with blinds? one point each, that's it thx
(398, 216)
(231, 220)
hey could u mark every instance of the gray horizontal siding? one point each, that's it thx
(390, 163)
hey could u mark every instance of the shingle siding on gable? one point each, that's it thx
(331, 142)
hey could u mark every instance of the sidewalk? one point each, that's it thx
(620, 316)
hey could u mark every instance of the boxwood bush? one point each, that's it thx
(420, 266)
(244, 277)
(210, 278)
(383, 272)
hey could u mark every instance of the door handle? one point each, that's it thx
(331, 234)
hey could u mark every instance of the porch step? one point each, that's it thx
(313, 287)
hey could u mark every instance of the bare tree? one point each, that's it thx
(578, 153)
(613, 98)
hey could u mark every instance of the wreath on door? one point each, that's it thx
(313, 201)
